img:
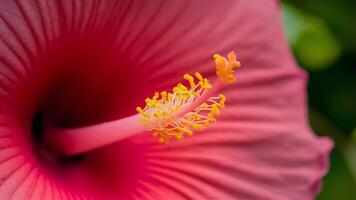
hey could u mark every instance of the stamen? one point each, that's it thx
(163, 112)
(188, 108)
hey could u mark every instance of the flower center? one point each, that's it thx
(79, 82)
(173, 115)
(166, 114)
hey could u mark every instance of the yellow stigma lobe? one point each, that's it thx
(178, 113)
(224, 67)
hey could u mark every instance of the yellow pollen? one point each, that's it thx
(224, 67)
(163, 112)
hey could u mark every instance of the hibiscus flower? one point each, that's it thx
(78, 64)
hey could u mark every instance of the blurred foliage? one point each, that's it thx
(313, 42)
(322, 35)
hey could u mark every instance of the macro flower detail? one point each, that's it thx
(72, 73)
(176, 114)
(224, 67)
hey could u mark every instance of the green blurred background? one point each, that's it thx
(322, 35)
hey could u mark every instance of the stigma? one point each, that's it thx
(191, 106)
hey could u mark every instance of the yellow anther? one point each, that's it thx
(161, 140)
(145, 114)
(215, 110)
(179, 137)
(155, 96)
(157, 115)
(185, 130)
(139, 109)
(155, 134)
(143, 121)
(190, 79)
(224, 68)
(164, 96)
(199, 76)
(162, 113)
(199, 127)
(170, 95)
(222, 101)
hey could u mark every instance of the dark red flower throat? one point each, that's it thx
(79, 81)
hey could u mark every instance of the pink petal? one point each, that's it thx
(86, 62)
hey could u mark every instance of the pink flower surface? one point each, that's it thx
(77, 63)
